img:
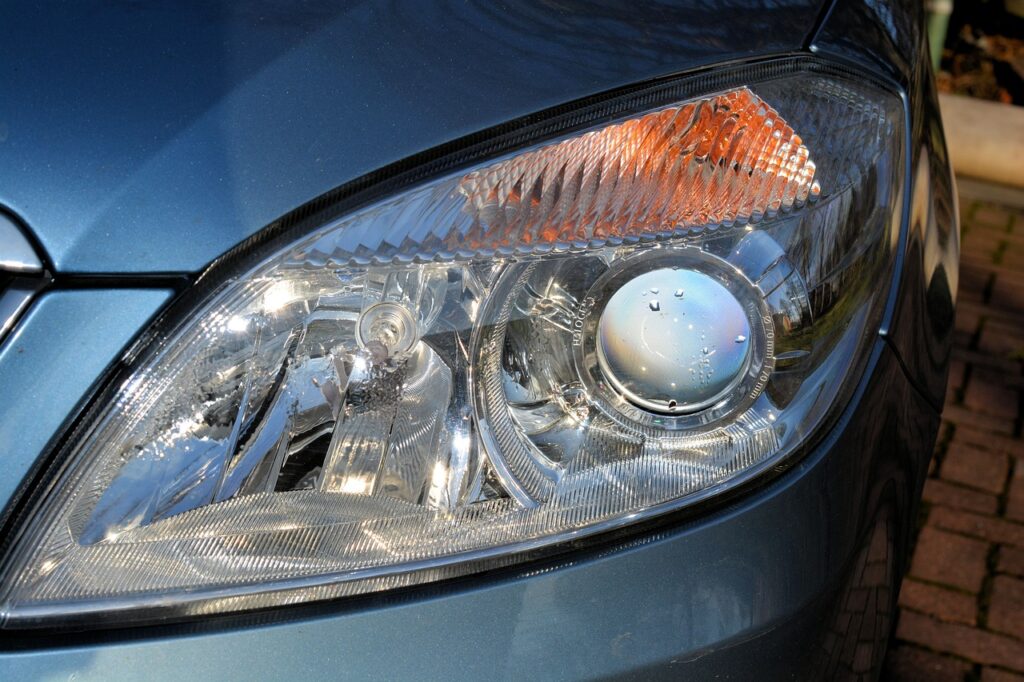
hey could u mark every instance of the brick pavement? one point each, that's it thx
(962, 603)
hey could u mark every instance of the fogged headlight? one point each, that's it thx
(563, 340)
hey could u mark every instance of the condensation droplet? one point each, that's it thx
(655, 306)
(654, 290)
(740, 338)
(679, 293)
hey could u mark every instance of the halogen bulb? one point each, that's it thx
(673, 340)
(389, 324)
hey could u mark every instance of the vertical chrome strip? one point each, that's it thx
(16, 253)
(22, 275)
(13, 302)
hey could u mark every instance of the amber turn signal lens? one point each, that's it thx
(720, 160)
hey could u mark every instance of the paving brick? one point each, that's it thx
(1007, 294)
(993, 675)
(999, 270)
(976, 494)
(977, 229)
(970, 296)
(1016, 235)
(948, 605)
(1015, 497)
(937, 491)
(980, 646)
(1011, 560)
(969, 306)
(974, 277)
(968, 322)
(982, 244)
(1006, 608)
(1000, 338)
(1007, 367)
(987, 528)
(968, 204)
(961, 415)
(974, 467)
(991, 216)
(984, 393)
(978, 232)
(906, 663)
(952, 394)
(1014, 258)
(966, 433)
(949, 559)
(957, 373)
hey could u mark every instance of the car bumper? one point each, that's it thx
(795, 580)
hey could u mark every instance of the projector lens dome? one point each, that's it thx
(673, 340)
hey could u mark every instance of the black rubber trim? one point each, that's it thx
(824, 12)
(146, 280)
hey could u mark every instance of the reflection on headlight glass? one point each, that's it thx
(602, 328)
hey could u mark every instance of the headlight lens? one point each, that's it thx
(551, 344)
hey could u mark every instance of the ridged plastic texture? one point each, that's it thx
(717, 161)
(414, 391)
(724, 160)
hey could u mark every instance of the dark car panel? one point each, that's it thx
(887, 37)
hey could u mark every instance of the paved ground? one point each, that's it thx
(962, 604)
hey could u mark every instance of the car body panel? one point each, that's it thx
(153, 137)
(58, 351)
(761, 587)
(888, 38)
(755, 582)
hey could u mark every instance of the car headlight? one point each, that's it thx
(600, 328)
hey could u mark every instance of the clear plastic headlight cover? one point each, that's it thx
(568, 338)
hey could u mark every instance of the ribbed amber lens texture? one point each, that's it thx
(716, 161)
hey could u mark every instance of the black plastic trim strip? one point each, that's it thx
(824, 12)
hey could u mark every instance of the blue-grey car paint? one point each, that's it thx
(154, 136)
(54, 356)
(752, 590)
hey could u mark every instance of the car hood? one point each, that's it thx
(152, 137)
